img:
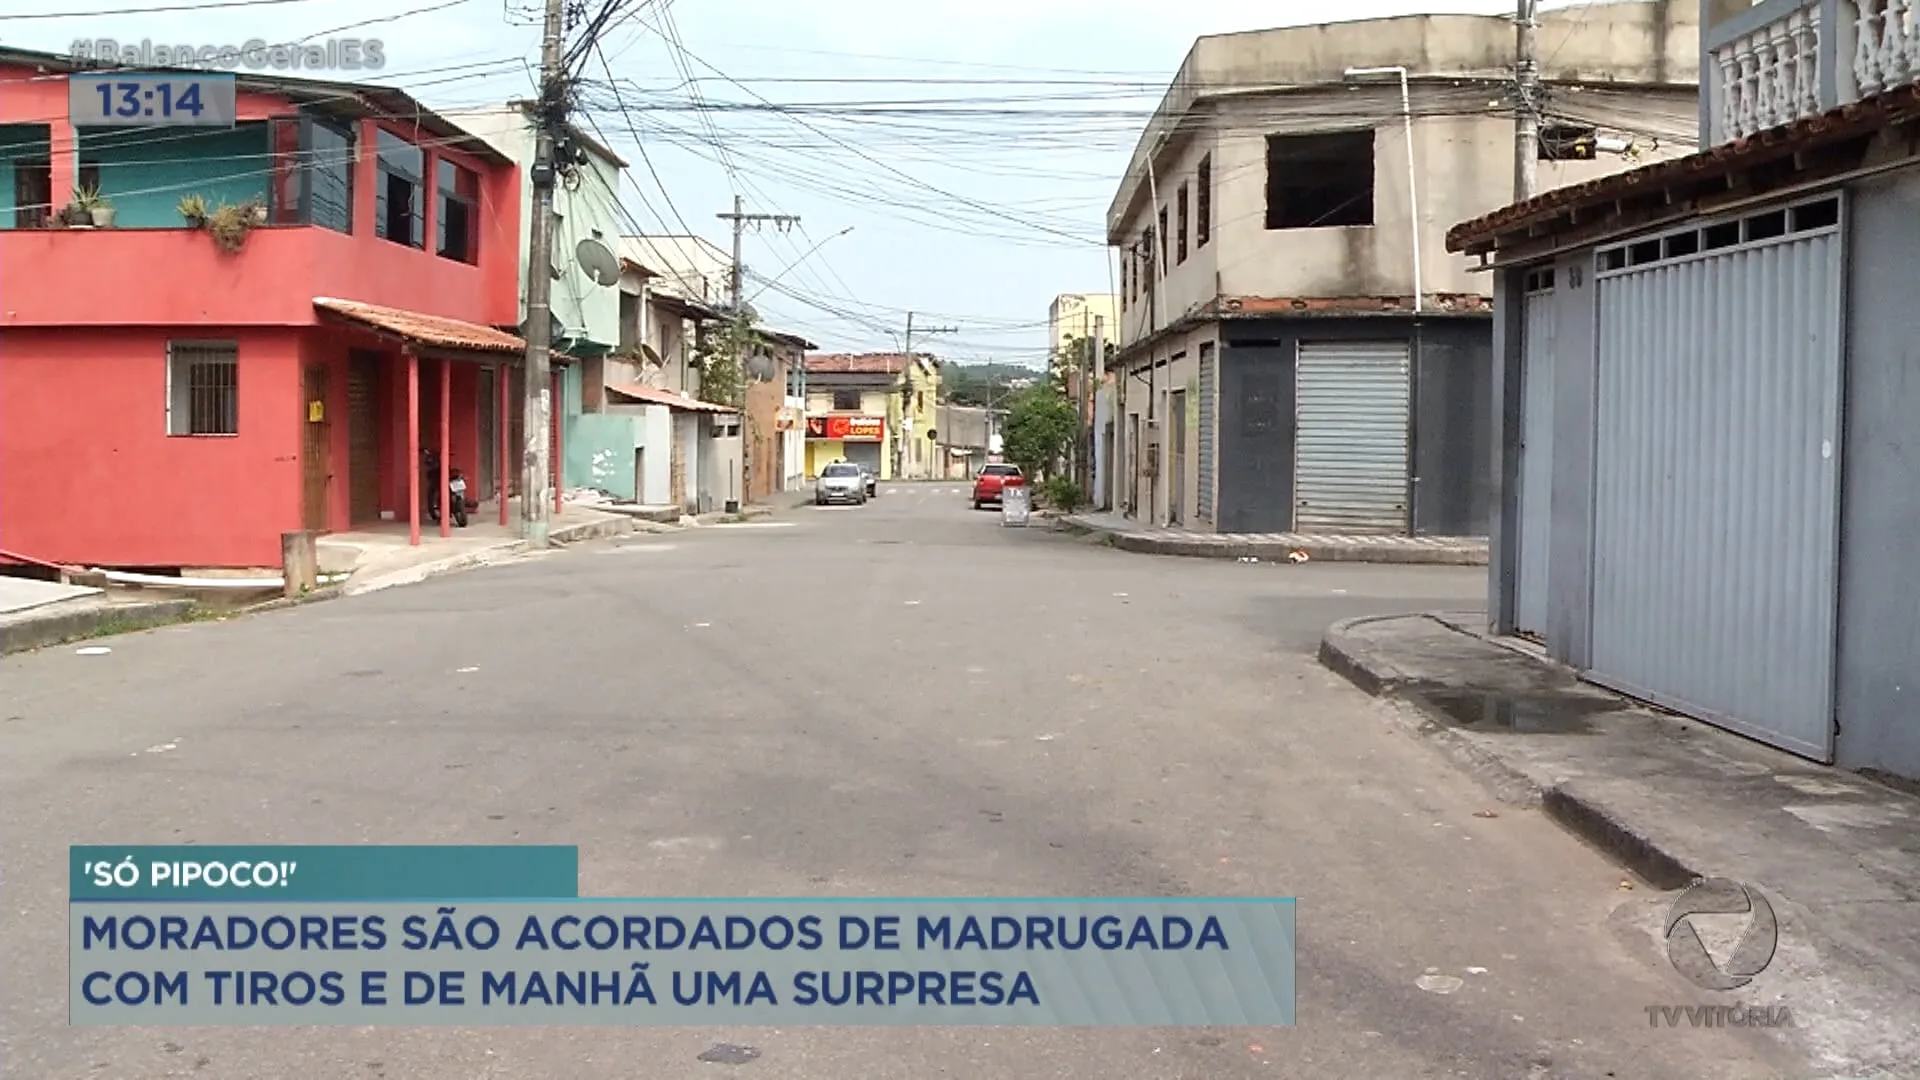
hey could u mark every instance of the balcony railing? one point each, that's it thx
(1781, 60)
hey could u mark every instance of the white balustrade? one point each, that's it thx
(1809, 58)
(1771, 76)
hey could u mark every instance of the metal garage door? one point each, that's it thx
(1209, 379)
(1350, 449)
(1536, 452)
(863, 453)
(1717, 473)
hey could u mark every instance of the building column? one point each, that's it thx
(446, 449)
(559, 441)
(412, 462)
(503, 384)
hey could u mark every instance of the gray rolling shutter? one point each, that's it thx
(1350, 465)
(1209, 377)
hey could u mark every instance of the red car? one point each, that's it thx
(986, 486)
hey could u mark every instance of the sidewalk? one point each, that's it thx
(1837, 853)
(381, 558)
(1130, 535)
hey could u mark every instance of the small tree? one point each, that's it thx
(720, 353)
(1040, 429)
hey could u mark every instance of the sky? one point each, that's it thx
(970, 146)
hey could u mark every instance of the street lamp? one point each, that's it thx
(1413, 196)
(769, 283)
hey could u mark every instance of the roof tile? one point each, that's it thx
(434, 331)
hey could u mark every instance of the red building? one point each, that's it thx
(180, 384)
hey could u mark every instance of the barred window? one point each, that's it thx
(203, 388)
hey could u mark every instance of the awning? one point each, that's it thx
(654, 396)
(436, 332)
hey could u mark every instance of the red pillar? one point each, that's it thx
(412, 460)
(502, 383)
(446, 461)
(559, 444)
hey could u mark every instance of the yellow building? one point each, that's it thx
(874, 409)
(1071, 316)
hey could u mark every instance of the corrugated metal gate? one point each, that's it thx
(1203, 508)
(1536, 452)
(1716, 520)
(1352, 401)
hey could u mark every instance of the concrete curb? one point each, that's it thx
(1268, 551)
(58, 628)
(1589, 819)
(329, 592)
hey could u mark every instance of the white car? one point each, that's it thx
(841, 482)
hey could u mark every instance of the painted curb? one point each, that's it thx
(1589, 819)
(59, 628)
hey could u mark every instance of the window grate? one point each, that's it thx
(203, 392)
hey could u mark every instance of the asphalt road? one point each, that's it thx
(899, 699)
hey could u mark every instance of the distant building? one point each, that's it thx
(1299, 352)
(875, 409)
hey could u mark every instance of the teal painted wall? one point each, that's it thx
(17, 141)
(145, 177)
(599, 452)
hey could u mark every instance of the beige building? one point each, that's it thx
(1300, 352)
(1071, 315)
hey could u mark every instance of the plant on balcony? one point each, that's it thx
(95, 207)
(193, 211)
(229, 225)
(718, 354)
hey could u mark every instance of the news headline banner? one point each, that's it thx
(1034, 963)
(312, 873)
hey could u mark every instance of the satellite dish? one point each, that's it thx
(598, 260)
(761, 367)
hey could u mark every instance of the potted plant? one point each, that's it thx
(258, 208)
(193, 211)
(99, 210)
(229, 226)
(77, 214)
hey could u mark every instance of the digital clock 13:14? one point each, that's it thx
(154, 101)
(141, 99)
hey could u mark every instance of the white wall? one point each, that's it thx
(794, 446)
(686, 432)
(656, 435)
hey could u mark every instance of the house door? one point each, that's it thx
(1536, 456)
(1176, 456)
(316, 453)
(489, 406)
(363, 437)
(1133, 464)
(1352, 405)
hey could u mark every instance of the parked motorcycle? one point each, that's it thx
(456, 488)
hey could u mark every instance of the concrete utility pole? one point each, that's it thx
(740, 218)
(1096, 366)
(906, 375)
(1526, 87)
(536, 501)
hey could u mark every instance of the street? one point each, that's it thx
(899, 699)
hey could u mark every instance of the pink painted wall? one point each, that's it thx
(88, 473)
(57, 277)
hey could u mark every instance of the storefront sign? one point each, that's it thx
(854, 428)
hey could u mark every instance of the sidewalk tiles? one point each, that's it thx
(1837, 853)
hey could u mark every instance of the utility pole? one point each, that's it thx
(536, 501)
(906, 376)
(1526, 86)
(740, 218)
(1096, 365)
